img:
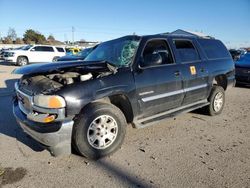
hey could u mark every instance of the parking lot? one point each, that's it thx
(190, 150)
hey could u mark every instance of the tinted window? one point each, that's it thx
(43, 49)
(47, 49)
(186, 50)
(214, 48)
(60, 49)
(158, 47)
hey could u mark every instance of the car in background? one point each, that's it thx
(34, 54)
(72, 51)
(78, 57)
(1, 54)
(2, 51)
(235, 54)
(242, 70)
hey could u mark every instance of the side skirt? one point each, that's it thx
(145, 122)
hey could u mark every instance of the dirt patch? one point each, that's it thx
(10, 176)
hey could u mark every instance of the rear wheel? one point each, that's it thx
(21, 61)
(99, 130)
(55, 59)
(217, 101)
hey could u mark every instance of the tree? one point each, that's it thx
(12, 34)
(36, 37)
(51, 38)
(19, 41)
(7, 40)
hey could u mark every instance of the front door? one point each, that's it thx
(159, 85)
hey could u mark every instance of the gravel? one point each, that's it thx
(190, 150)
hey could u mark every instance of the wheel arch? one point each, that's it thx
(121, 101)
(22, 56)
(221, 80)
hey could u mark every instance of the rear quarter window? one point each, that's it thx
(214, 49)
(60, 49)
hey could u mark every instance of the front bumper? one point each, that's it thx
(56, 137)
(9, 59)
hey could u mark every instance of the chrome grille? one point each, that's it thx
(24, 101)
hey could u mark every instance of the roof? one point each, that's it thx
(190, 33)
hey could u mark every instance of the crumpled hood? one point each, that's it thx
(71, 58)
(61, 66)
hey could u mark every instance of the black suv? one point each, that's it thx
(134, 79)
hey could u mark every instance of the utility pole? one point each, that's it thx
(73, 30)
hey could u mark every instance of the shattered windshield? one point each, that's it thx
(118, 52)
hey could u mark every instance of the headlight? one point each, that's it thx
(49, 101)
(11, 54)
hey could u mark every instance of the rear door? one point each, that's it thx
(194, 70)
(48, 53)
(159, 87)
(41, 54)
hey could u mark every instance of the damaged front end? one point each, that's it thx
(39, 109)
(36, 90)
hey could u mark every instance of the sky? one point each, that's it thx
(96, 20)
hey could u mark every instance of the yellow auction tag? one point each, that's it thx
(192, 70)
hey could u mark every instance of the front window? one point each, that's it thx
(119, 52)
(26, 47)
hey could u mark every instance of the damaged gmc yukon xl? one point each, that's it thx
(137, 80)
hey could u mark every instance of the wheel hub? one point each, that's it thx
(102, 132)
(218, 102)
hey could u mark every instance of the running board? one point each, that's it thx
(145, 122)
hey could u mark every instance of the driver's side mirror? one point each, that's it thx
(32, 50)
(151, 60)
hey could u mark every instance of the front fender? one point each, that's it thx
(80, 94)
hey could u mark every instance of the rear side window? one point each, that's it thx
(186, 51)
(214, 49)
(47, 49)
(60, 49)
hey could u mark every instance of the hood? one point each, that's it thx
(70, 58)
(64, 66)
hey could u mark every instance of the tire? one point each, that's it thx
(217, 101)
(99, 130)
(55, 59)
(21, 61)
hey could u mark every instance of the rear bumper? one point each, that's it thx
(55, 136)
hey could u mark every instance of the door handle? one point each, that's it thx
(177, 73)
(202, 70)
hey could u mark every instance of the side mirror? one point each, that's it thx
(32, 50)
(151, 60)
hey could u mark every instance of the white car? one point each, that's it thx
(34, 54)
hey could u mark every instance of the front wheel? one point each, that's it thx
(217, 101)
(21, 61)
(99, 130)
